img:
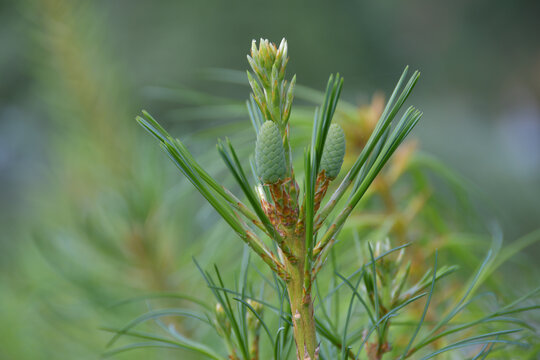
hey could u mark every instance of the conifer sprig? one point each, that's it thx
(285, 225)
(275, 208)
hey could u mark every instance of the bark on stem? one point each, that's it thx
(301, 305)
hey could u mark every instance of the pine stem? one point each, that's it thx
(301, 305)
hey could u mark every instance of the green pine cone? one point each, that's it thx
(334, 151)
(269, 154)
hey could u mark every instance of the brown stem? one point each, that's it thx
(320, 190)
(254, 349)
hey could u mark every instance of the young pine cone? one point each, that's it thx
(269, 154)
(334, 151)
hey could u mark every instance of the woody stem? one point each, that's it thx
(301, 304)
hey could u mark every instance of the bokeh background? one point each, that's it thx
(73, 75)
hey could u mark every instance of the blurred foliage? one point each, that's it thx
(90, 218)
(105, 226)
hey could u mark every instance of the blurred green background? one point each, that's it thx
(73, 75)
